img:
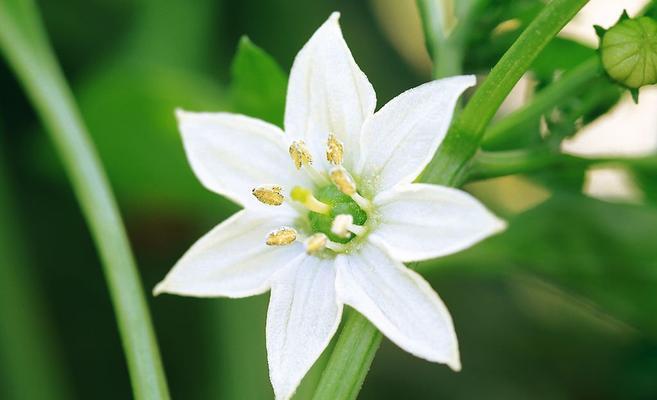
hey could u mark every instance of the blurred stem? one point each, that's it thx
(465, 134)
(572, 82)
(25, 46)
(487, 165)
(438, 23)
(350, 361)
(29, 365)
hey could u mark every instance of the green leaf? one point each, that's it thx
(258, 84)
(596, 250)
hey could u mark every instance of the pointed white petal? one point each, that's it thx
(328, 93)
(421, 221)
(232, 260)
(402, 137)
(231, 154)
(399, 302)
(302, 318)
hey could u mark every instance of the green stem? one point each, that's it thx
(350, 361)
(486, 165)
(29, 365)
(25, 46)
(507, 130)
(438, 23)
(466, 132)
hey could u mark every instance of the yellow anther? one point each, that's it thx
(316, 243)
(300, 154)
(343, 181)
(281, 236)
(269, 194)
(305, 197)
(334, 150)
(341, 224)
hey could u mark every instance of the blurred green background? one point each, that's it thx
(561, 306)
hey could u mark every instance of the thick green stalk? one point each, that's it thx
(26, 48)
(350, 361)
(358, 341)
(466, 132)
(29, 366)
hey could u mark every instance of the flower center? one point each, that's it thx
(341, 206)
(336, 215)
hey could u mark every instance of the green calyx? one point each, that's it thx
(628, 51)
(340, 204)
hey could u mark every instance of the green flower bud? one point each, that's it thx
(629, 52)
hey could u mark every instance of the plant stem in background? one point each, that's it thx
(438, 23)
(29, 366)
(358, 340)
(26, 48)
(465, 134)
(572, 82)
(351, 359)
(486, 165)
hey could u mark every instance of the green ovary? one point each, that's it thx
(340, 204)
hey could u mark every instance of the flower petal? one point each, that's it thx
(328, 93)
(402, 137)
(231, 154)
(399, 302)
(302, 318)
(421, 221)
(232, 260)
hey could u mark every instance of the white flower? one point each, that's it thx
(330, 211)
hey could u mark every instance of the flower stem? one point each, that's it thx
(350, 361)
(25, 46)
(28, 357)
(465, 134)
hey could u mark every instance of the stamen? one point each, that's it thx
(300, 154)
(269, 194)
(362, 201)
(305, 197)
(343, 181)
(316, 243)
(319, 242)
(281, 236)
(340, 225)
(343, 226)
(334, 150)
